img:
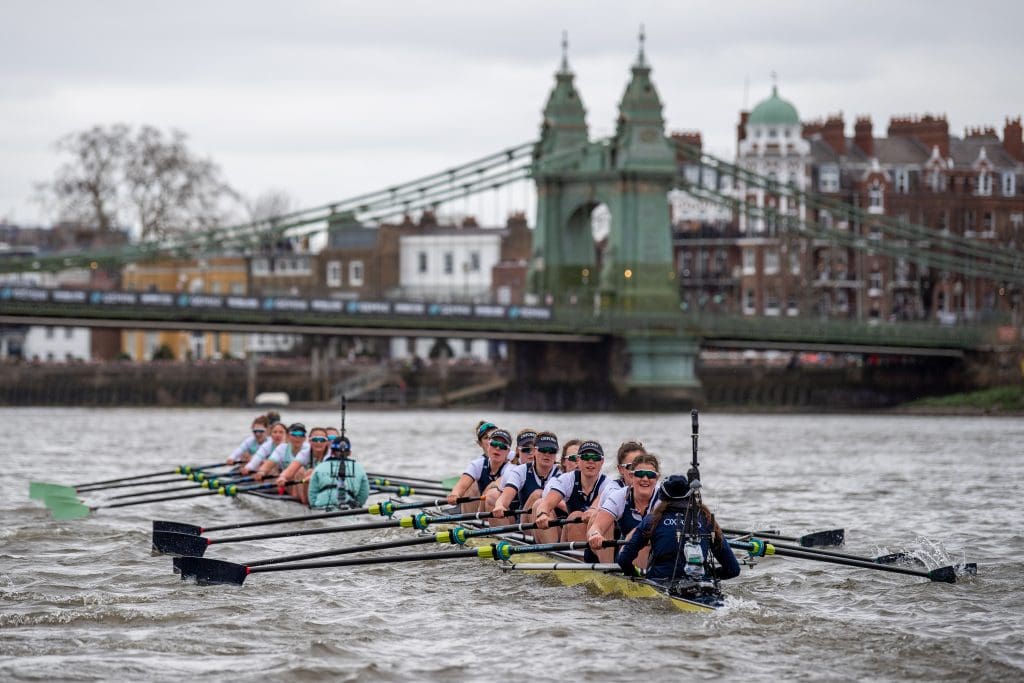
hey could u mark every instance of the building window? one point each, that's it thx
(421, 261)
(935, 180)
(260, 266)
(333, 275)
(771, 261)
(828, 180)
(749, 262)
(238, 288)
(875, 283)
(215, 288)
(748, 302)
(876, 197)
(449, 263)
(794, 262)
(355, 274)
(984, 184)
(1009, 184)
(686, 264)
(771, 302)
(474, 261)
(49, 332)
(842, 301)
(68, 331)
(902, 177)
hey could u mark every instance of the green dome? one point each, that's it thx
(774, 111)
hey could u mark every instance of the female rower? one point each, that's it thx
(250, 444)
(278, 432)
(664, 530)
(581, 491)
(523, 485)
(627, 451)
(524, 446)
(484, 471)
(294, 445)
(339, 481)
(301, 468)
(624, 508)
(570, 459)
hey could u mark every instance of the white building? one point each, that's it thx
(450, 265)
(57, 343)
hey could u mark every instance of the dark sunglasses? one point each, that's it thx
(645, 474)
(572, 458)
(297, 433)
(548, 451)
(318, 439)
(259, 431)
(591, 457)
(500, 445)
(526, 449)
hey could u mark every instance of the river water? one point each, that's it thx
(85, 599)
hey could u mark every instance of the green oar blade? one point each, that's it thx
(39, 490)
(179, 544)
(450, 482)
(63, 509)
(207, 571)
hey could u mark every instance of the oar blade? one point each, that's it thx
(38, 490)
(171, 543)
(943, 574)
(821, 539)
(176, 527)
(210, 572)
(63, 509)
(896, 558)
(450, 482)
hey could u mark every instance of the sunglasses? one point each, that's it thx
(297, 433)
(500, 445)
(319, 439)
(549, 451)
(572, 458)
(526, 449)
(591, 457)
(645, 474)
(259, 431)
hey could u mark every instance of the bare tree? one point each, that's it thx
(117, 177)
(270, 204)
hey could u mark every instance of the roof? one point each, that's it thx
(966, 151)
(774, 111)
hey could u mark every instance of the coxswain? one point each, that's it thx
(581, 492)
(250, 444)
(301, 468)
(623, 509)
(293, 445)
(339, 481)
(484, 471)
(523, 485)
(524, 446)
(683, 538)
(278, 432)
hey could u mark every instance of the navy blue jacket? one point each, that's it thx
(666, 554)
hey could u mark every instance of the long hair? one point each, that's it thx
(627, 447)
(664, 506)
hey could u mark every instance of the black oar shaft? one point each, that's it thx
(181, 496)
(328, 515)
(398, 477)
(169, 480)
(413, 557)
(147, 476)
(866, 564)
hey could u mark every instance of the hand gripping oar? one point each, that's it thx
(812, 540)
(222, 572)
(63, 509)
(37, 490)
(195, 546)
(197, 567)
(759, 548)
(385, 509)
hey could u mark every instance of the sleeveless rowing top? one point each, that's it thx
(578, 500)
(533, 482)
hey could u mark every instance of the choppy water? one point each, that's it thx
(86, 600)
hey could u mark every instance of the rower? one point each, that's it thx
(683, 538)
(301, 468)
(339, 481)
(523, 485)
(581, 491)
(628, 450)
(278, 432)
(483, 471)
(250, 444)
(570, 458)
(524, 446)
(293, 445)
(624, 508)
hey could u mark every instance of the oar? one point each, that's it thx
(812, 540)
(206, 484)
(63, 509)
(196, 567)
(603, 567)
(385, 509)
(892, 558)
(759, 548)
(195, 546)
(446, 483)
(38, 489)
(222, 572)
(404, 490)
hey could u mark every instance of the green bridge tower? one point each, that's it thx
(633, 281)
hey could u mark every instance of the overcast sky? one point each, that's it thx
(330, 99)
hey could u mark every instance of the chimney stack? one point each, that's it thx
(1013, 140)
(930, 131)
(863, 137)
(741, 128)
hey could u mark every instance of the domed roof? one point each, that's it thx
(774, 111)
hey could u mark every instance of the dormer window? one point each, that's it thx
(984, 184)
(935, 180)
(828, 179)
(1009, 183)
(902, 181)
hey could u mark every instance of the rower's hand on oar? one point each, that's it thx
(543, 519)
(498, 510)
(595, 540)
(453, 498)
(281, 481)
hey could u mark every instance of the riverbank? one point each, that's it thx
(1005, 400)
